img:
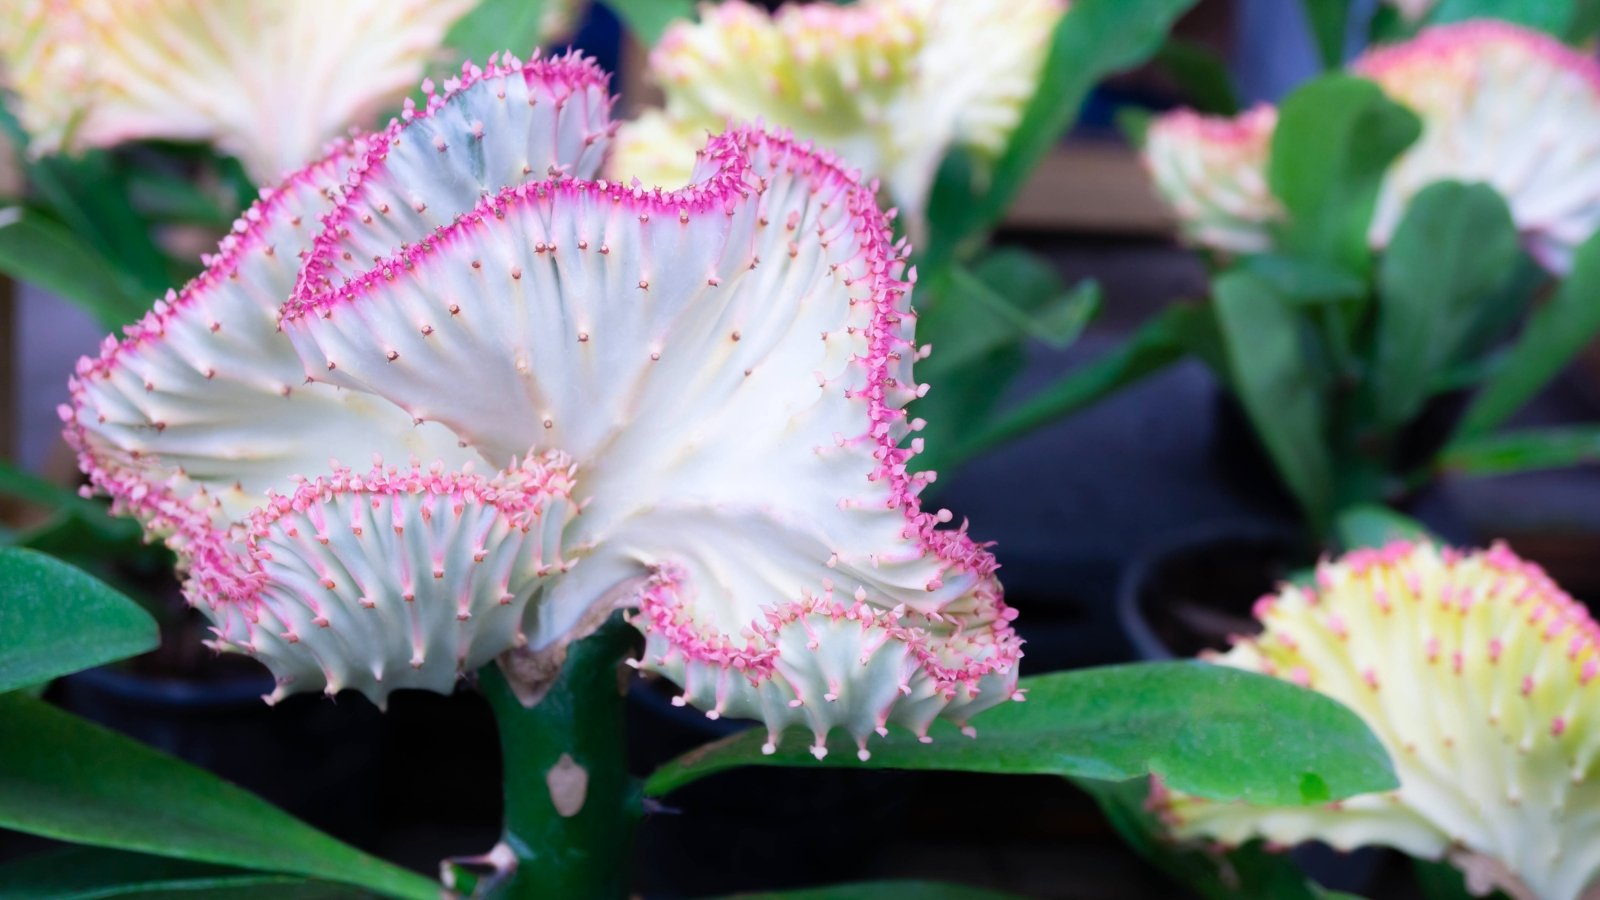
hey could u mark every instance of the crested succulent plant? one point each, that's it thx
(686, 403)
(891, 85)
(232, 72)
(1478, 675)
(1212, 170)
(1499, 103)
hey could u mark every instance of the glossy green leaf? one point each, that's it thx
(497, 25)
(85, 873)
(1177, 331)
(1374, 526)
(1330, 22)
(1553, 16)
(1335, 138)
(1202, 74)
(1208, 730)
(1096, 38)
(1242, 873)
(1454, 250)
(78, 782)
(43, 252)
(647, 20)
(1525, 450)
(1555, 333)
(1279, 386)
(55, 619)
(882, 890)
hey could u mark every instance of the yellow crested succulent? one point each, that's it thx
(1478, 675)
(889, 85)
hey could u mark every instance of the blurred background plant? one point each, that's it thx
(1398, 269)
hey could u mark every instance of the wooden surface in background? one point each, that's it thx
(1098, 187)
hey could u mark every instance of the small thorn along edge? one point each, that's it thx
(1477, 674)
(748, 496)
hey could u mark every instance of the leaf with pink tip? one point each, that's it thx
(78, 782)
(1220, 733)
(55, 619)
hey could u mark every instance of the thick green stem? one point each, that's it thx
(570, 805)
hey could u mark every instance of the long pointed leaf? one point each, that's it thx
(1270, 373)
(64, 778)
(1454, 251)
(55, 619)
(1208, 730)
(1178, 331)
(1555, 333)
(1095, 39)
(39, 251)
(86, 873)
(1523, 451)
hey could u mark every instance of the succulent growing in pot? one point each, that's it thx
(1478, 674)
(1378, 236)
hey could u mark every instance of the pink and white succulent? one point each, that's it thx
(94, 73)
(1478, 675)
(889, 85)
(1212, 170)
(1500, 104)
(688, 403)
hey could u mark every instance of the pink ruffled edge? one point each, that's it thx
(570, 73)
(156, 503)
(517, 496)
(731, 180)
(1243, 129)
(1443, 43)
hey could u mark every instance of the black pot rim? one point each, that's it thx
(1130, 613)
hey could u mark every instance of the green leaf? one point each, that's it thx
(497, 25)
(78, 782)
(1335, 139)
(1270, 373)
(882, 890)
(55, 620)
(1178, 330)
(1095, 39)
(1207, 730)
(1305, 282)
(1585, 22)
(1453, 251)
(647, 20)
(82, 873)
(1552, 16)
(42, 252)
(1523, 451)
(1242, 873)
(1368, 525)
(1555, 333)
(1330, 22)
(24, 485)
(1202, 74)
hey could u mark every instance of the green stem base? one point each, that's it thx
(570, 807)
